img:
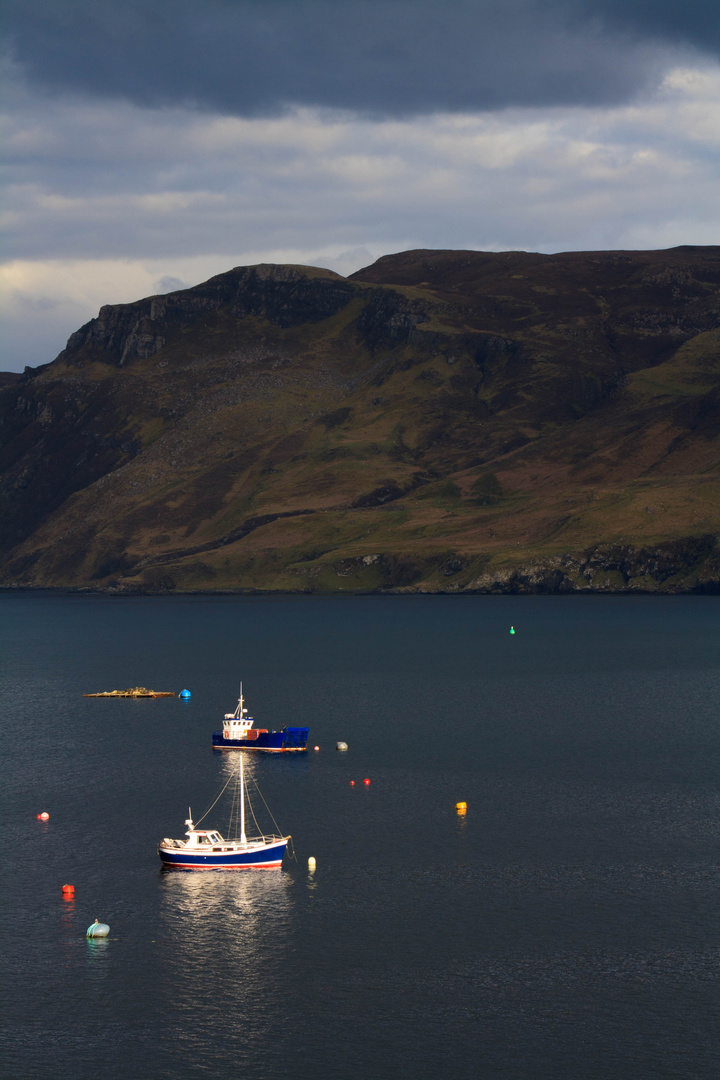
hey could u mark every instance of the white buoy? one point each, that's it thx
(98, 929)
(311, 863)
(341, 746)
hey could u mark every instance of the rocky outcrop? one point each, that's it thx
(389, 319)
(282, 295)
(679, 566)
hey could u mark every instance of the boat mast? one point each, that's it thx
(243, 838)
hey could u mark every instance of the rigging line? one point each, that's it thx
(210, 807)
(253, 814)
(267, 807)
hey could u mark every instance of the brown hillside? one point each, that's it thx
(441, 420)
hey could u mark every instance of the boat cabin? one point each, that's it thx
(201, 840)
(237, 725)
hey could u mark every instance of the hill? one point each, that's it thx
(439, 421)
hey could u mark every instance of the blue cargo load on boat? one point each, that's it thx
(238, 733)
(296, 738)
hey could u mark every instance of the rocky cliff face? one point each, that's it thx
(283, 295)
(441, 421)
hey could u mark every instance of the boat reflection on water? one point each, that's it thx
(231, 902)
(253, 766)
(230, 934)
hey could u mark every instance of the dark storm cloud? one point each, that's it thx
(696, 22)
(388, 57)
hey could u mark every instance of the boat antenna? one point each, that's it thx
(240, 711)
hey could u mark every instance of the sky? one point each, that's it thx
(149, 144)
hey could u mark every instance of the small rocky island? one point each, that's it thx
(136, 691)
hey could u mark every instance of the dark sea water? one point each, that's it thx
(568, 928)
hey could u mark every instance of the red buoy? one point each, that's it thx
(352, 783)
(366, 781)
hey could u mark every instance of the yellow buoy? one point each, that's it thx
(461, 807)
(311, 863)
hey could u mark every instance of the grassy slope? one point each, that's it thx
(545, 422)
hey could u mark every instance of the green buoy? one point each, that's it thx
(512, 629)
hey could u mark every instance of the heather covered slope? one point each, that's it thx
(440, 420)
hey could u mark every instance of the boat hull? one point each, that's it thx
(285, 741)
(266, 857)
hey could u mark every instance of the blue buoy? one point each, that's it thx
(512, 629)
(185, 694)
(98, 929)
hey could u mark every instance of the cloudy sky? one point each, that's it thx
(152, 143)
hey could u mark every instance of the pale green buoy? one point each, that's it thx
(512, 629)
(98, 929)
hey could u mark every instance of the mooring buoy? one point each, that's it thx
(98, 929)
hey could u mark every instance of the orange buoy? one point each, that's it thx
(461, 807)
(316, 747)
(68, 890)
(44, 816)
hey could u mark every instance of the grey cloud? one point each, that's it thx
(696, 22)
(300, 189)
(168, 284)
(33, 304)
(399, 57)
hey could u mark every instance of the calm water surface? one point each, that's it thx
(567, 929)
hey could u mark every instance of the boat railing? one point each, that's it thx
(257, 839)
(270, 838)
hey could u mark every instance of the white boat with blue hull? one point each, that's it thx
(207, 849)
(238, 733)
